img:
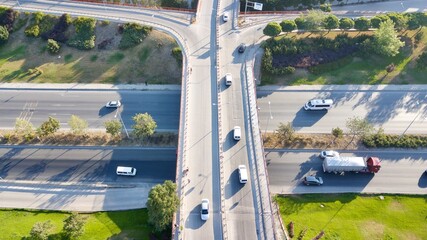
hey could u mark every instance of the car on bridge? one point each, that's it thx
(204, 212)
(312, 180)
(113, 104)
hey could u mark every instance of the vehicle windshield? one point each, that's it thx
(204, 211)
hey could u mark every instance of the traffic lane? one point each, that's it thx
(401, 172)
(84, 165)
(36, 106)
(392, 110)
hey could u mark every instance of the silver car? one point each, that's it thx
(328, 153)
(113, 104)
(312, 180)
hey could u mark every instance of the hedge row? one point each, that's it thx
(381, 140)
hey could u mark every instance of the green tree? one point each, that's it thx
(4, 35)
(326, 7)
(41, 230)
(73, 226)
(77, 124)
(362, 24)
(24, 128)
(144, 125)
(359, 127)
(272, 29)
(386, 42)
(300, 22)
(313, 20)
(331, 22)
(53, 46)
(400, 21)
(285, 132)
(161, 205)
(346, 23)
(288, 25)
(49, 127)
(113, 127)
(376, 20)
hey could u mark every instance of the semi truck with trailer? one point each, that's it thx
(351, 164)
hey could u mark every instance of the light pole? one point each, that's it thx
(121, 120)
(268, 120)
(416, 116)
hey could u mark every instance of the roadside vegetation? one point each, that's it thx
(49, 133)
(354, 216)
(394, 53)
(43, 48)
(131, 224)
(360, 134)
(184, 4)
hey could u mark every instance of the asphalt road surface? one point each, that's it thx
(37, 106)
(86, 165)
(401, 172)
(397, 110)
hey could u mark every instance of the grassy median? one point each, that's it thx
(353, 216)
(16, 224)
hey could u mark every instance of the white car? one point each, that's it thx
(228, 79)
(113, 104)
(329, 153)
(225, 17)
(204, 212)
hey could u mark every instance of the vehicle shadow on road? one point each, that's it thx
(422, 182)
(229, 141)
(194, 223)
(305, 118)
(105, 111)
(232, 186)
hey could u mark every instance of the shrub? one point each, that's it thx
(272, 29)
(177, 54)
(84, 38)
(291, 229)
(422, 61)
(4, 35)
(32, 31)
(7, 18)
(113, 127)
(133, 34)
(57, 33)
(48, 127)
(362, 24)
(288, 25)
(326, 7)
(346, 23)
(53, 46)
(337, 132)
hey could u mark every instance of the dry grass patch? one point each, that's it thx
(372, 230)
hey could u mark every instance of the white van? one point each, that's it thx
(237, 133)
(228, 79)
(126, 171)
(319, 104)
(243, 174)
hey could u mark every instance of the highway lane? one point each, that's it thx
(37, 105)
(240, 210)
(397, 109)
(402, 171)
(86, 165)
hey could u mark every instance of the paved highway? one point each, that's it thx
(402, 171)
(81, 178)
(36, 106)
(86, 165)
(397, 109)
